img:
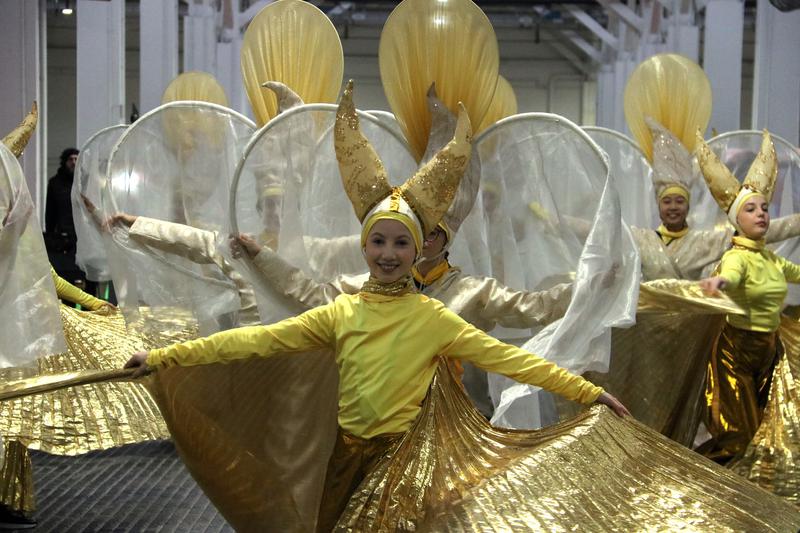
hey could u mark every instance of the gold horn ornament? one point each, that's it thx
(721, 182)
(764, 169)
(429, 192)
(17, 140)
(363, 175)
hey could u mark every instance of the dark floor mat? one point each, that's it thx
(140, 487)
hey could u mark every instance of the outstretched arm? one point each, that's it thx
(492, 355)
(312, 329)
(523, 309)
(196, 245)
(285, 278)
(784, 228)
(67, 291)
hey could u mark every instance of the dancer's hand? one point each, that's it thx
(712, 286)
(88, 203)
(245, 242)
(614, 404)
(139, 362)
(106, 309)
(121, 218)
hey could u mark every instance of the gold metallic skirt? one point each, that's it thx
(772, 458)
(738, 379)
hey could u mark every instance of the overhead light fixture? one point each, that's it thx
(67, 9)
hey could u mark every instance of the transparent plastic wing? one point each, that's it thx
(633, 175)
(175, 164)
(87, 212)
(31, 325)
(552, 215)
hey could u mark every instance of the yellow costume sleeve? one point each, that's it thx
(312, 329)
(492, 355)
(69, 292)
(522, 309)
(783, 228)
(790, 270)
(732, 268)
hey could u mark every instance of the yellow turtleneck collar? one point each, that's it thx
(436, 272)
(740, 241)
(668, 236)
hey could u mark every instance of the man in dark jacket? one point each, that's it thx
(59, 228)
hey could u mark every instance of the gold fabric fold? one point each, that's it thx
(256, 434)
(16, 480)
(738, 381)
(598, 472)
(89, 417)
(771, 457)
(658, 365)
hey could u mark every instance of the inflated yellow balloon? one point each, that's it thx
(504, 104)
(450, 42)
(295, 43)
(673, 90)
(195, 85)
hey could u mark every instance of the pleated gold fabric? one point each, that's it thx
(770, 459)
(658, 366)
(256, 434)
(596, 472)
(16, 482)
(91, 417)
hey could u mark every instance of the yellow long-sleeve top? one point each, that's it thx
(756, 280)
(67, 291)
(386, 349)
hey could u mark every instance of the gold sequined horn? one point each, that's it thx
(430, 191)
(443, 125)
(363, 175)
(672, 164)
(721, 182)
(19, 136)
(764, 170)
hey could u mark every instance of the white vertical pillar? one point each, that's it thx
(684, 39)
(776, 84)
(605, 98)
(200, 39)
(158, 50)
(722, 61)
(100, 66)
(22, 56)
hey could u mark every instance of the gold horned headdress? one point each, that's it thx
(726, 189)
(19, 136)
(420, 202)
(672, 164)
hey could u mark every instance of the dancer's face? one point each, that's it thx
(434, 243)
(753, 217)
(389, 251)
(673, 209)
